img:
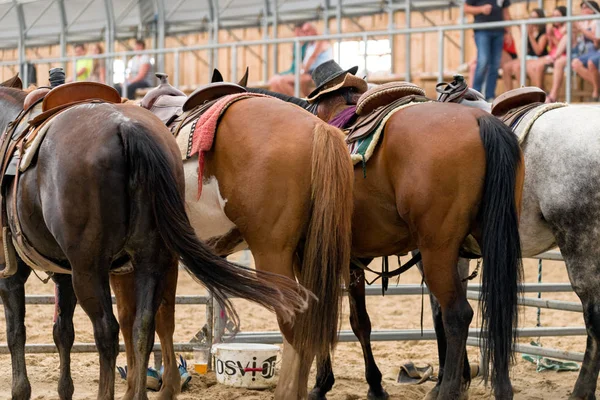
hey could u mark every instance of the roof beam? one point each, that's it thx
(80, 13)
(109, 38)
(128, 8)
(39, 16)
(160, 34)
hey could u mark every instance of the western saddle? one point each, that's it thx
(170, 105)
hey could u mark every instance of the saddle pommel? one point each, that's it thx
(164, 89)
(385, 94)
(517, 98)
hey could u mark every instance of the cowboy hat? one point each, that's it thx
(329, 77)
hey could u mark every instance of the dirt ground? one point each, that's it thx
(390, 312)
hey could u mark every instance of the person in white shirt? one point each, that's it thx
(139, 72)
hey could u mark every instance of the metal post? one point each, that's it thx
(366, 54)
(21, 43)
(391, 38)
(407, 42)
(63, 31)
(275, 35)
(211, 53)
(234, 64)
(338, 16)
(524, 37)
(440, 55)
(297, 68)
(462, 34)
(110, 39)
(176, 72)
(160, 34)
(124, 86)
(216, 27)
(210, 325)
(570, 40)
(265, 47)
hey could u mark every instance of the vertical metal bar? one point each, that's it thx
(338, 16)
(22, 56)
(160, 34)
(124, 86)
(297, 68)
(391, 38)
(234, 63)
(74, 65)
(216, 27)
(440, 55)
(220, 320)
(568, 55)
(265, 47)
(275, 35)
(63, 31)
(366, 53)
(462, 33)
(176, 66)
(110, 38)
(407, 41)
(210, 325)
(524, 37)
(211, 53)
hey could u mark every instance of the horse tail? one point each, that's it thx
(500, 244)
(326, 258)
(153, 173)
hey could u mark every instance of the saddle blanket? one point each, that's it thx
(523, 124)
(199, 138)
(361, 150)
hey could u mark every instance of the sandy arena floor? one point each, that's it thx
(390, 312)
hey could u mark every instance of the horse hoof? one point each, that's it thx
(21, 391)
(433, 394)
(315, 394)
(377, 395)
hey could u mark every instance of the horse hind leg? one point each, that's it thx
(150, 266)
(583, 266)
(324, 380)
(165, 328)
(444, 283)
(63, 332)
(12, 292)
(92, 288)
(440, 333)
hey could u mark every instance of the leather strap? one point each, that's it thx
(385, 274)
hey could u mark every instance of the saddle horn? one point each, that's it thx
(216, 77)
(244, 81)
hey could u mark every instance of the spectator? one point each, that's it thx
(316, 53)
(509, 53)
(139, 72)
(489, 42)
(275, 81)
(83, 66)
(99, 66)
(537, 42)
(586, 65)
(582, 42)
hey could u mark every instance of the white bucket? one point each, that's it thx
(247, 365)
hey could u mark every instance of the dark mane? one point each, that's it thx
(312, 108)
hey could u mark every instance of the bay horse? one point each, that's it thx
(107, 189)
(560, 208)
(441, 172)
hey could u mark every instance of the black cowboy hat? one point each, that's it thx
(327, 72)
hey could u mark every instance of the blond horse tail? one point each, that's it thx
(326, 260)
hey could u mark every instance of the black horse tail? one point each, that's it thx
(153, 171)
(500, 245)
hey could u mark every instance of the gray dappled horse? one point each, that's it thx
(561, 207)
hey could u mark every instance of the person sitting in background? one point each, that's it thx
(582, 42)
(509, 53)
(537, 41)
(83, 66)
(99, 66)
(139, 72)
(276, 81)
(586, 65)
(317, 52)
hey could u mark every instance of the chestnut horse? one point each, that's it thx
(103, 191)
(440, 173)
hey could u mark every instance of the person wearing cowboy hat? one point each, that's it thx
(329, 77)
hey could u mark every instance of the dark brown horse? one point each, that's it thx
(441, 173)
(108, 186)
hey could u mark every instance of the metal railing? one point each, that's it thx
(364, 36)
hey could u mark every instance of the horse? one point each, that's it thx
(440, 173)
(284, 192)
(104, 191)
(559, 208)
